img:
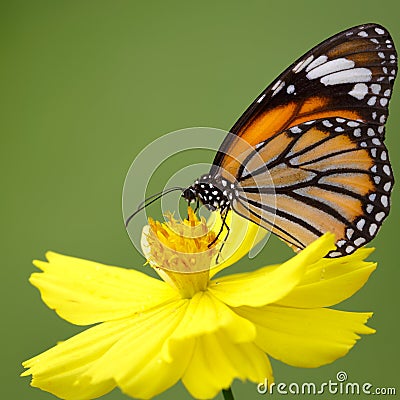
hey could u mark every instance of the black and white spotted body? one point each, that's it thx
(214, 193)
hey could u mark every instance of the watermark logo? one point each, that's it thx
(339, 386)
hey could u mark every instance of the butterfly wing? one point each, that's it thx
(350, 75)
(332, 174)
(318, 130)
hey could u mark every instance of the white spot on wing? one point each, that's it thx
(278, 88)
(302, 64)
(383, 101)
(379, 217)
(277, 83)
(375, 88)
(295, 129)
(290, 89)
(330, 67)
(318, 61)
(327, 123)
(379, 31)
(359, 91)
(353, 124)
(372, 229)
(360, 224)
(370, 132)
(359, 241)
(348, 76)
(261, 98)
(349, 233)
(258, 145)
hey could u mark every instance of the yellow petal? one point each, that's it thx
(306, 337)
(270, 285)
(206, 314)
(330, 281)
(243, 236)
(113, 353)
(158, 375)
(58, 369)
(85, 292)
(216, 362)
(136, 361)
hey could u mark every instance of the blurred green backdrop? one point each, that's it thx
(87, 84)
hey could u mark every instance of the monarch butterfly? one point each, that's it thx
(307, 156)
(318, 130)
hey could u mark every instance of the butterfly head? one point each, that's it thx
(190, 194)
(207, 192)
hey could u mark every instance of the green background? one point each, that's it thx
(87, 84)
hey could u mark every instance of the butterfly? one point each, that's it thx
(308, 156)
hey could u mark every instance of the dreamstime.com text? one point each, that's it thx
(340, 386)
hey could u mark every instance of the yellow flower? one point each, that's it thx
(193, 326)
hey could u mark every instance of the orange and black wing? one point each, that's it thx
(350, 75)
(348, 78)
(331, 174)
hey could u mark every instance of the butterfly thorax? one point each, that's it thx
(214, 192)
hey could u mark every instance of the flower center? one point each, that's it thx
(180, 252)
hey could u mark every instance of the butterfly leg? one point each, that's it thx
(228, 231)
(197, 205)
(224, 224)
(224, 214)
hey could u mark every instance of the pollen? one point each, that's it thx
(190, 236)
(182, 252)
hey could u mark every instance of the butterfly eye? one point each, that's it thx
(189, 195)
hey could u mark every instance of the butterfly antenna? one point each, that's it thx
(150, 200)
